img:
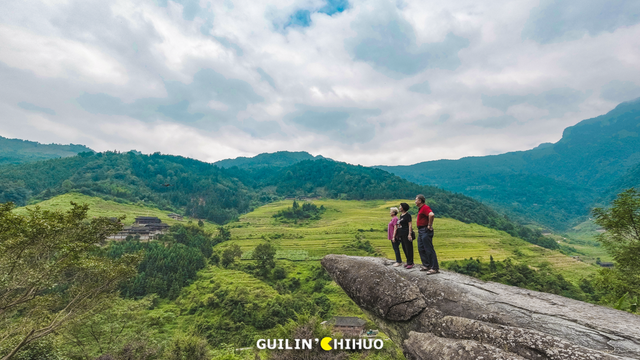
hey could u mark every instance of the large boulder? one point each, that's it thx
(453, 316)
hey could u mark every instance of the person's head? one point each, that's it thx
(404, 207)
(393, 211)
(420, 200)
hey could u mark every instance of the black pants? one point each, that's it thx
(425, 248)
(407, 246)
(396, 249)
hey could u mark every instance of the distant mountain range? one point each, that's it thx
(16, 151)
(553, 184)
(206, 191)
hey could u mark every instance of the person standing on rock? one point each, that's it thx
(403, 232)
(392, 228)
(424, 220)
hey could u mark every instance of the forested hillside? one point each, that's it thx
(16, 151)
(276, 159)
(205, 191)
(553, 184)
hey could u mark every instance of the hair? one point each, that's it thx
(421, 198)
(394, 210)
(404, 206)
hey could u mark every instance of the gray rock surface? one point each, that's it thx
(453, 316)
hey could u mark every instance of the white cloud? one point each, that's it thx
(140, 63)
(55, 57)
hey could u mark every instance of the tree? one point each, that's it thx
(121, 327)
(51, 271)
(264, 254)
(230, 254)
(622, 240)
(223, 235)
(622, 237)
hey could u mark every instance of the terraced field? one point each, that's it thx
(342, 220)
(338, 226)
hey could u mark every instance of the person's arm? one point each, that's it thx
(430, 223)
(410, 230)
(395, 229)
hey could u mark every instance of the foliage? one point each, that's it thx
(308, 211)
(115, 330)
(230, 254)
(167, 266)
(187, 348)
(16, 151)
(264, 255)
(622, 240)
(205, 191)
(51, 272)
(622, 237)
(361, 244)
(511, 273)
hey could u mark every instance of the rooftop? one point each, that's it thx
(348, 321)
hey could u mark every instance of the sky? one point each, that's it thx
(371, 82)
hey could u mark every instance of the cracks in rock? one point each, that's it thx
(481, 288)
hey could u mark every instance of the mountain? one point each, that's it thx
(276, 159)
(553, 184)
(16, 151)
(206, 191)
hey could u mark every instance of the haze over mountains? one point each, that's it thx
(16, 151)
(554, 185)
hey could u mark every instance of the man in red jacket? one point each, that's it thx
(425, 237)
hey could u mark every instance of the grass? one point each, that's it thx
(100, 207)
(342, 220)
(301, 246)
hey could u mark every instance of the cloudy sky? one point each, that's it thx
(362, 81)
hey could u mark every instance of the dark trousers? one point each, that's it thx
(425, 248)
(407, 247)
(396, 249)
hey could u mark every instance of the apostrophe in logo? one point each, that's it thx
(325, 344)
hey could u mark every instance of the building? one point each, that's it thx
(348, 326)
(144, 220)
(145, 228)
(606, 265)
(175, 216)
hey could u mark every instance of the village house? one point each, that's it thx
(348, 326)
(175, 216)
(145, 228)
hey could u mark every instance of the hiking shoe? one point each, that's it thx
(409, 267)
(424, 268)
(405, 265)
(397, 264)
(432, 271)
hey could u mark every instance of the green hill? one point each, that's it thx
(205, 191)
(277, 159)
(229, 307)
(553, 184)
(16, 151)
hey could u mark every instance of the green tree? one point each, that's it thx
(185, 347)
(230, 254)
(121, 325)
(622, 240)
(51, 271)
(622, 237)
(264, 254)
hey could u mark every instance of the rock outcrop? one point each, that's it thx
(453, 316)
